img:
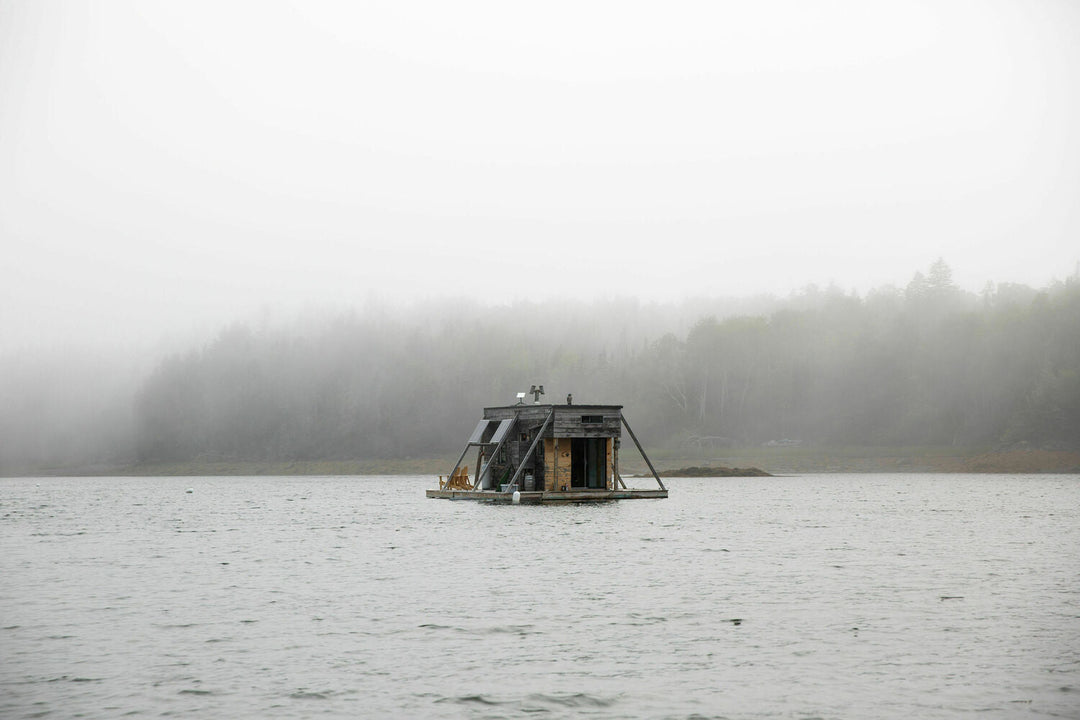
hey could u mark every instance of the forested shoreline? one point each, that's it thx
(926, 365)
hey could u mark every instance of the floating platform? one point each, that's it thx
(538, 497)
(547, 453)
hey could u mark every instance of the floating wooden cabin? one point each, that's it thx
(547, 453)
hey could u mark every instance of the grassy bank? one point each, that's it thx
(775, 460)
(377, 466)
(824, 459)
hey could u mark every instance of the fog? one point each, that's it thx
(170, 164)
(923, 367)
(168, 170)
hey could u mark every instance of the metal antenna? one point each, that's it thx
(537, 391)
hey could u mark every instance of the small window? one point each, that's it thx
(592, 419)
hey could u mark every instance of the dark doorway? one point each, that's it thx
(588, 463)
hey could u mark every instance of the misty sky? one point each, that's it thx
(168, 164)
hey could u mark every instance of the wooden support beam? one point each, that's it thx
(479, 464)
(616, 479)
(532, 449)
(642, 451)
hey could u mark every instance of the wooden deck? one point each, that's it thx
(543, 496)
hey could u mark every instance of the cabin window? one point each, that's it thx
(592, 419)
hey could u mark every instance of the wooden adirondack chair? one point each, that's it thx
(458, 481)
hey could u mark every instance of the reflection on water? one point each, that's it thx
(841, 596)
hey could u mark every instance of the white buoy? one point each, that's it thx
(516, 498)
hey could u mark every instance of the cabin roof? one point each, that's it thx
(529, 412)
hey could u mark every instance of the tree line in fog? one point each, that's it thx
(928, 364)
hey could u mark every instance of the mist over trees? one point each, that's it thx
(928, 364)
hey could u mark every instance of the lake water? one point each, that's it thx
(828, 596)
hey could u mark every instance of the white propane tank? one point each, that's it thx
(516, 498)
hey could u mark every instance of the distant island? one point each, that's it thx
(716, 471)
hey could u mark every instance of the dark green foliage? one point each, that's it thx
(931, 366)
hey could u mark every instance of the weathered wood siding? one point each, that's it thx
(557, 461)
(552, 465)
(568, 421)
(572, 426)
(549, 463)
(563, 467)
(611, 464)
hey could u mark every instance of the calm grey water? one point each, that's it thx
(830, 596)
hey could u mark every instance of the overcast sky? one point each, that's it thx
(164, 164)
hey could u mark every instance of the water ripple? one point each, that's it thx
(853, 596)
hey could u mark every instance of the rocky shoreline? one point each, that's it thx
(715, 471)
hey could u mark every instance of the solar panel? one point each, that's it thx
(500, 432)
(478, 434)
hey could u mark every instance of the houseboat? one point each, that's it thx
(546, 453)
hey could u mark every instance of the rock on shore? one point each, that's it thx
(716, 471)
